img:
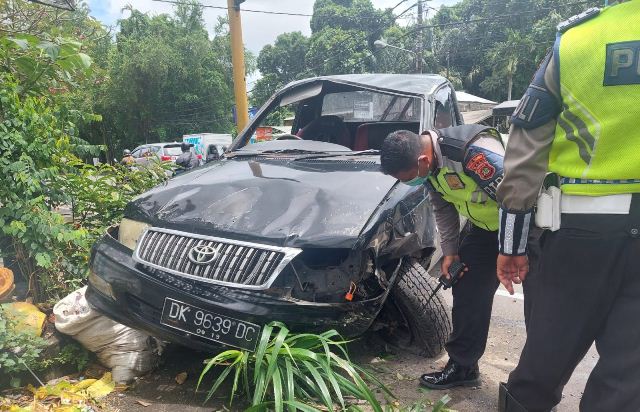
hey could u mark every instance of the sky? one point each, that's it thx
(258, 29)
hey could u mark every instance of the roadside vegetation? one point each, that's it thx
(302, 372)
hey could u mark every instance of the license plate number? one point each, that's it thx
(209, 325)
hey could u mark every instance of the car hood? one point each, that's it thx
(284, 202)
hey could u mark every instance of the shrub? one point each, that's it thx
(295, 371)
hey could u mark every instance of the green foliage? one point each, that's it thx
(17, 348)
(280, 63)
(99, 194)
(295, 371)
(71, 354)
(166, 78)
(343, 32)
(334, 50)
(34, 145)
(40, 141)
(425, 404)
(495, 47)
(487, 48)
(43, 65)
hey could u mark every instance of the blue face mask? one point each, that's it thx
(416, 181)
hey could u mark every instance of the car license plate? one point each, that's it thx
(209, 325)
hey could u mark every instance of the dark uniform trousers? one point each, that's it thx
(587, 289)
(473, 294)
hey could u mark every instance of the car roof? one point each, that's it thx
(423, 85)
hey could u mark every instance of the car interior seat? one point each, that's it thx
(327, 129)
(371, 135)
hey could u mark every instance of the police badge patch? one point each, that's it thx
(481, 166)
(453, 181)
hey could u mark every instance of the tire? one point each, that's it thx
(412, 322)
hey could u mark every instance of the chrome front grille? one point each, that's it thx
(225, 261)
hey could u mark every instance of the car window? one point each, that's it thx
(367, 106)
(136, 153)
(444, 109)
(144, 152)
(154, 149)
(172, 150)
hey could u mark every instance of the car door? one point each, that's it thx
(143, 155)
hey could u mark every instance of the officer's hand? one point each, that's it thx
(446, 263)
(512, 269)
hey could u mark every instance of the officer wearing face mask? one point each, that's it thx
(462, 167)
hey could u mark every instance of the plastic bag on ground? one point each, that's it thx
(27, 317)
(128, 352)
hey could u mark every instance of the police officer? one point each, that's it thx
(462, 167)
(127, 159)
(187, 159)
(579, 119)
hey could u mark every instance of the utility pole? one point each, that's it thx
(420, 44)
(237, 60)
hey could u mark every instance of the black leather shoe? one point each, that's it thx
(452, 375)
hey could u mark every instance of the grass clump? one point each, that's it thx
(300, 371)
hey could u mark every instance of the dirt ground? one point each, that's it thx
(399, 371)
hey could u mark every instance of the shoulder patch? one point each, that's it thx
(485, 168)
(481, 166)
(578, 19)
(538, 105)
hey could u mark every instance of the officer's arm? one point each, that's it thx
(483, 161)
(527, 157)
(448, 223)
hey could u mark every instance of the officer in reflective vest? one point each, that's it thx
(462, 167)
(580, 120)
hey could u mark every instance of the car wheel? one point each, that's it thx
(412, 322)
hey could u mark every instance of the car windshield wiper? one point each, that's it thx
(242, 153)
(341, 154)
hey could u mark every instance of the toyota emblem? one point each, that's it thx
(203, 254)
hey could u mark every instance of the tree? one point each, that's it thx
(280, 63)
(495, 47)
(343, 32)
(166, 78)
(506, 59)
(338, 51)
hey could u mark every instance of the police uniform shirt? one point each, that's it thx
(531, 138)
(446, 214)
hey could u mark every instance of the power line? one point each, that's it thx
(244, 10)
(465, 22)
(394, 7)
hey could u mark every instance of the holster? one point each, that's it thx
(548, 206)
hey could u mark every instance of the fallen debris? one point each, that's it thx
(181, 378)
(60, 395)
(26, 317)
(6, 284)
(128, 352)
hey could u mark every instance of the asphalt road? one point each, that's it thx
(398, 370)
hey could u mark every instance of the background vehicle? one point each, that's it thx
(203, 143)
(303, 229)
(157, 152)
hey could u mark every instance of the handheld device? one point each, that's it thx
(455, 270)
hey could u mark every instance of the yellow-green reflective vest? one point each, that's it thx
(596, 150)
(469, 198)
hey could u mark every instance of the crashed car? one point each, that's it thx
(303, 229)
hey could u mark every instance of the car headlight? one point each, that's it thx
(130, 231)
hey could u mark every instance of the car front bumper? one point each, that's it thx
(134, 295)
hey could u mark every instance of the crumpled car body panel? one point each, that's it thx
(353, 226)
